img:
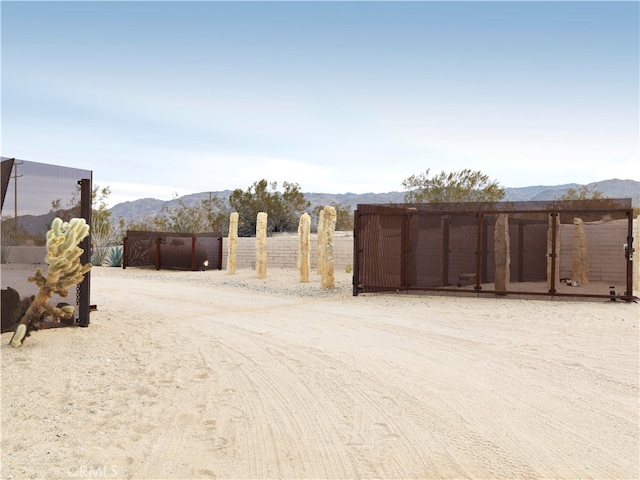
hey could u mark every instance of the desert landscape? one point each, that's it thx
(195, 375)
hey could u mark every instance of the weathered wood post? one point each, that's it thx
(321, 245)
(328, 278)
(304, 252)
(261, 245)
(502, 246)
(580, 271)
(232, 254)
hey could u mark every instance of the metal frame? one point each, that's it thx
(408, 212)
(83, 289)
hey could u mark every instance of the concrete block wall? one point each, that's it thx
(282, 251)
(607, 262)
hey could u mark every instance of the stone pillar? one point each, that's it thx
(232, 254)
(580, 271)
(321, 244)
(328, 231)
(304, 252)
(552, 219)
(261, 245)
(502, 246)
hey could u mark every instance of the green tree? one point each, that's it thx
(344, 216)
(145, 224)
(583, 193)
(208, 215)
(463, 186)
(100, 214)
(105, 233)
(579, 197)
(283, 209)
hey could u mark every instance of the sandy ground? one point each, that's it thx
(188, 375)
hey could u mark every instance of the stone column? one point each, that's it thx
(304, 252)
(232, 253)
(261, 245)
(552, 219)
(328, 278)
(321, 244)
(502, 246)
(580, 271)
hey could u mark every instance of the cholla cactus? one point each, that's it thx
(65, 270)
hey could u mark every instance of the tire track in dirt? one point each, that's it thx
(249, 385)
(282, 410)
(548, 413)
(383, 426)
(406, 388)
(371, 388)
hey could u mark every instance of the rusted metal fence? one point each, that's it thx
(181, 251)
(33, 194)
(455, 248)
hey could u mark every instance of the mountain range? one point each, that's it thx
(614, 188)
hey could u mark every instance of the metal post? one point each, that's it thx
(356, 258)
(407, 252)
(446, 225)
(484, 252)
(124, 253)
(193, 253)
(629, 257)
(554, 232)
(479, 253)
(520, 251)
(157, 253)
(84, 288)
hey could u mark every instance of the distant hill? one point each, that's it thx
(615, 188)
(610, 188)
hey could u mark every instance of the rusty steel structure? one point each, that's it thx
(450, 248)
(180, 251)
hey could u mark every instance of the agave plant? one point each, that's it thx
(114, 258)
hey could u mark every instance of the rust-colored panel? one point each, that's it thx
(450, 247)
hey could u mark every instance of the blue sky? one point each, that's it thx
(159, 98)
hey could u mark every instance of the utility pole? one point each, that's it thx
(15, 195)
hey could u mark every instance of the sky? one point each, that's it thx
(163, 99)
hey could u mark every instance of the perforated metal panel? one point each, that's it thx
(452, 247)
